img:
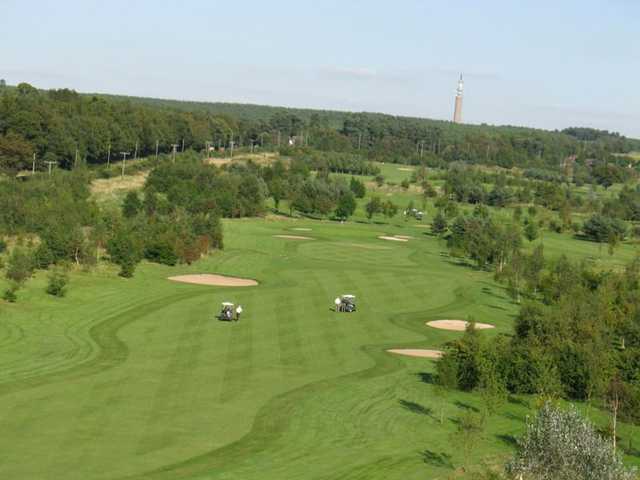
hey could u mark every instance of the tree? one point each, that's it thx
(492, 384)
(57, 281)
(446, 379)
(389, 209)
(346, 205)
(373, 206)
(131, 205)
(469, 430)
(615, 394)
(357, 187)
(125, 251)
(379, 179)
(439, 225)
(531, 230)
(20, 266)
(561, 445)
(601, 228)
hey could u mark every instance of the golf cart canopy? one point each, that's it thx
(227, 304)
(349, 297)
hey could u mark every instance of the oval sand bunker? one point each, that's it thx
(214, 280)
(414, 352)
(456, 325)
(393, 239)
(293, 237)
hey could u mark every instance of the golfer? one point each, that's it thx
(238, 312)
(337, 302)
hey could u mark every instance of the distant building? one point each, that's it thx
(457, 113)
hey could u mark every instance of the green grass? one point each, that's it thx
(136, 379)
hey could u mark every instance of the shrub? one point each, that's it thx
(161, 252)
(10, 294)
(3, 245)
(57, 282)
(600, 228)
(20, 265)
(561, 445)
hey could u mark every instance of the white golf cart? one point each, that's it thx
(346, 303)
(227, 311)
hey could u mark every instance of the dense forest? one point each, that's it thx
(67, 127)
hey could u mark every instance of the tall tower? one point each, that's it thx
(457, 114)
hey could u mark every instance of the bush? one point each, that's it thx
(20, 265)
(57, 282)
(601, 228)
(10, 294)
(561, 445)
(3, 245)
(161, 252)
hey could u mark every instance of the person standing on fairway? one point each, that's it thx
(337, 302)
(238, 312)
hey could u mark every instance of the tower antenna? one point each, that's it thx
(457, 113)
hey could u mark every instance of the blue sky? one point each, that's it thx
(541, 63)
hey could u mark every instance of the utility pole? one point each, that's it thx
(421, 148)
(124, 161)
(157, 145)
(33, 167)
(135, 154)
(182, 150)
(174, 146)
(108, 155)
(75, 162)
(231, 144)
(50, 164)
(208, 146)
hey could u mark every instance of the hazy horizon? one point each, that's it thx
(545, 65)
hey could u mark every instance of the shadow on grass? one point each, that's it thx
(517, 401)
(442, 459)
(629, 449)
(427, 377)
(416, 408)
(466, 406)
(509, 440)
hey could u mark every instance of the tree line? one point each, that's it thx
(67, 127)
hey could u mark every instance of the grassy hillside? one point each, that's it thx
(136, 378)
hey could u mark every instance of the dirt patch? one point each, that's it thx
(293, 237)
(456, 325)
(393, 239)
(110, 186)
(414, 352)
(214, 280)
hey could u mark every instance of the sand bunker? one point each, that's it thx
(293, 237)
(302, 229)
(394, 239)
(456, 325)
(414, 352)
(214, 280)
(404, 237)
(406, 169)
